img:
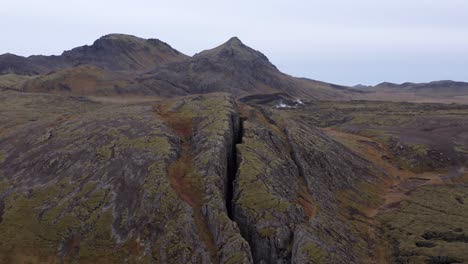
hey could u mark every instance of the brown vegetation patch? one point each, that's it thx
(182, 173)
(306, 201)
(182, 178)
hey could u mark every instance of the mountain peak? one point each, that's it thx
(234, 41)
(124, 52)
(233, 49)
(119, 36)
(113, 39)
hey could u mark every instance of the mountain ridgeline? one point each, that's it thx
(112, 52)
(120, 64)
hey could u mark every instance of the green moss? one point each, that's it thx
(364, 197)
(87, 188)
(4, 186)
(104, 152)
(257, 162)
(13, 80)
(159, 145)
(315, 253)
(223, 218)
(153, 142)
(256, 195)
(382, 120)
(267, 232)
(461, 149)
(236, 258)
(354, 205)
(420, 149)
(429, 209)
(27, 225)
(156, 171)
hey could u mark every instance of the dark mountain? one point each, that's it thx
(124, 52)
(231, 67)
(114, 52)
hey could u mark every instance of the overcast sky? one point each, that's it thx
(340, 41)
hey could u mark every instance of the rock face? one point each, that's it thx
(216, 127)
(290, 193)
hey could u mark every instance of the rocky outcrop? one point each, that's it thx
(294, 193)
(266, 190)
(216, 128)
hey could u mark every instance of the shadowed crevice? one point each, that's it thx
(232, 164)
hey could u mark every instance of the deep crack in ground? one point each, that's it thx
(232, 165)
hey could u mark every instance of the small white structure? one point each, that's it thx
(298, 102)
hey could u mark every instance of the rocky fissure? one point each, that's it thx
(232, 164)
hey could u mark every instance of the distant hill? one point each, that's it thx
(362, 86)
(434, 92)
(437, 87)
